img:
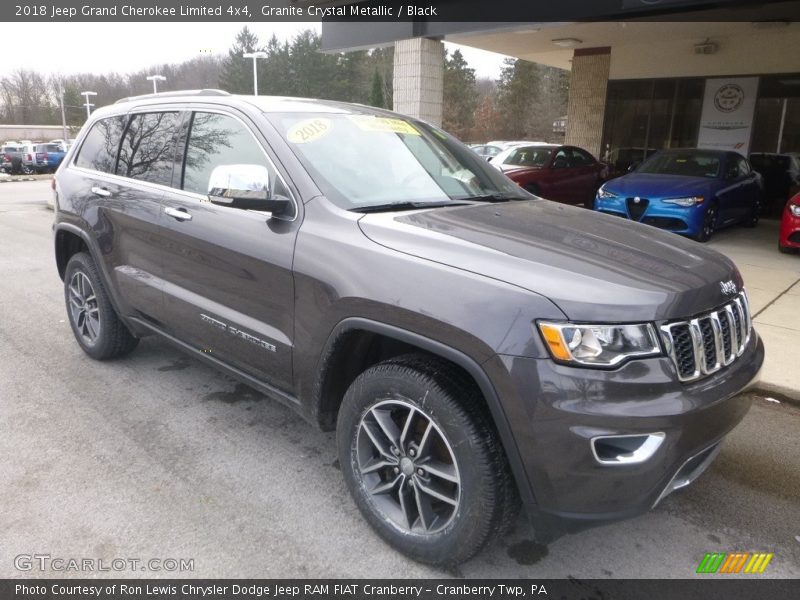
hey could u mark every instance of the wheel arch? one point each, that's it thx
(351, 348)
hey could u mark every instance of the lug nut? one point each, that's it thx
(396, 470)
(412, 452)
(420, 472)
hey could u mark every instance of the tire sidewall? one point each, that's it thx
(82, 262)
(445, 546)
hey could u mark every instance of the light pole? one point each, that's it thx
(155, 79)
(255, 56)
(88, 104)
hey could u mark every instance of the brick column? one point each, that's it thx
(587, 98)
(419, 79)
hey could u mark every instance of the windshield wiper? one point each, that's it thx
(398, 206)
(498, 197)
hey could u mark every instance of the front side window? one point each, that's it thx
(148, 148)
(368, 160)
(216, 140)
(527, 156)
(99, 149)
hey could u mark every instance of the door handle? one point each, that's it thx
(178, 213)
(101, 192)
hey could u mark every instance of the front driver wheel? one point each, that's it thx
(97, 328)
(709, 224)
(422, 461)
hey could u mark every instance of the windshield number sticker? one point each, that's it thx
(383, 124)
(309, 131)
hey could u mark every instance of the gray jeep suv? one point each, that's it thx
(471, 344)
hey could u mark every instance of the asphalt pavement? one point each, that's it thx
(159, 456)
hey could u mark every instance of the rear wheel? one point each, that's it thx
(26, 169)
(97, 328)
(422, 461)
(709, 224)
(755, 214)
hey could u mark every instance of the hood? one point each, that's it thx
(648, 185)
(595, 267)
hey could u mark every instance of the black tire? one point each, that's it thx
(709, 224)
(462, 444)
(97, 328)
(533, 189)
(755, 214)
(26, 169)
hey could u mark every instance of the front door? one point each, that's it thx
(229, 288)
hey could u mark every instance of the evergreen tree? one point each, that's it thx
(376, 93)
(518, 95)
(460, 95)
(237, 71)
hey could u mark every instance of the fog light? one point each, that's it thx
(626, 449)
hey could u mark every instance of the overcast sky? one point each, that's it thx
(126, 47)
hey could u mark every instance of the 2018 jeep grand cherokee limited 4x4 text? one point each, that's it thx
(471, 344)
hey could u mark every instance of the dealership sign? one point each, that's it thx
(727, 118)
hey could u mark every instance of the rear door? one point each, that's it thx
(585, 176)
(124, 206)
(229, 288)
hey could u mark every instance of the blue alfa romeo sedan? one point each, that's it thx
(688, 191)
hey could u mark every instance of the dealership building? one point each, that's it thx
(712, 75)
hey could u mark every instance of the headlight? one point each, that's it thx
(599, 345)
(689, 201)
(795, 209)
(604, 193)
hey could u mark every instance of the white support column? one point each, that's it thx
(419, 79)
(587, 98)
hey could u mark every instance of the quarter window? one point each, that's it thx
(99, 148)
(148, 148)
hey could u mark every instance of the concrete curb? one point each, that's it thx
(25, 178)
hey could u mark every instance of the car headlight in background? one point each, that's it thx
(686, 202)
(795, 209)
(599, 345)
(604, 193)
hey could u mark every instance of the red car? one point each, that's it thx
(562, 173)
(789, 240)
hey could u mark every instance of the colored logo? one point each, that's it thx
(734, 562)
(729, 97)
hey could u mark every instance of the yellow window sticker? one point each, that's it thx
(383, 124)
(309, 130)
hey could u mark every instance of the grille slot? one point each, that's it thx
(636, 209)
(703, 345)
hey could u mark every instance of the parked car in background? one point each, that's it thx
(781, 173)
(12, 158)
(562, 173)
(48, 157)
(487, 151)
(688, 191)
(789, 240)
(622, 160)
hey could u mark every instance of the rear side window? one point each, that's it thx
(216, 140)
(148, 148)
(99, 149)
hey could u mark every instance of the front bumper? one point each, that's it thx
(678, 219)
(555, 411)
(790, 231)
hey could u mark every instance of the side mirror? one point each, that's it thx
(247, 187)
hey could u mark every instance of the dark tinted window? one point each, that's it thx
(149, 146)
(216, 140)
(581, 158)
(99, 149)
(690, 164)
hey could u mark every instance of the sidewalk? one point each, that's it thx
(772, 281)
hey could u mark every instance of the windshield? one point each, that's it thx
(525, 156)
(688, 164)
(362, 160)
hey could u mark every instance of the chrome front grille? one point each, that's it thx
(703, 345)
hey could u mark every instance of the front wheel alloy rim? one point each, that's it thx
(708, 225)
(83, 307)
(407, 467)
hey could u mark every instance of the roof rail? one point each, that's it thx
(206, 92)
